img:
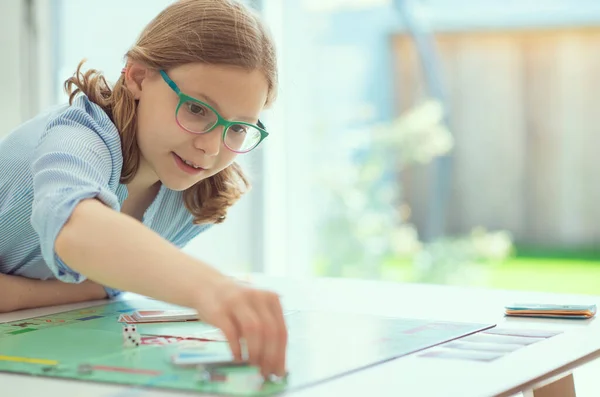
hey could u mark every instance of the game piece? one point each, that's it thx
(131, 338)
(216, 376)
(129, 328)
(132, 341)
(277, 379)
(211, 375)
(84, 369)
(213, 371)
(204, 376)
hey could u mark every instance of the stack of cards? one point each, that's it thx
(154, 316)
(550, 310)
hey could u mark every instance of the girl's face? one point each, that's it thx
(170, 153)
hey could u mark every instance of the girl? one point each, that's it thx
(109, 187)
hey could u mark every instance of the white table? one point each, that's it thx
(543, 369)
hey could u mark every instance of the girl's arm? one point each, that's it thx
(76, 169)
(116, 250)
(17, 293)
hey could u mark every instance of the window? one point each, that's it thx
(424, 143)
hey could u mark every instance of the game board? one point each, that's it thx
(87, 345)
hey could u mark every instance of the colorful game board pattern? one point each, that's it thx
(87, 345)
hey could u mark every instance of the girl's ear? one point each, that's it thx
(135, 73)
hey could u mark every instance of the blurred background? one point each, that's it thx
(434, 141)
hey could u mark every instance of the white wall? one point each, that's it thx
(103, 36)
(11, 38)
(26, 65)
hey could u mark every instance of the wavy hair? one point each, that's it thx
(217, 32)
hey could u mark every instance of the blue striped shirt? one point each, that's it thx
(47, 166)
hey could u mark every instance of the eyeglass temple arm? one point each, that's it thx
(170, 82)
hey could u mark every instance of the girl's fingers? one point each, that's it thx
(255, 318)
(250, 327)
(281, 336)
(229, 329)
(271, 344)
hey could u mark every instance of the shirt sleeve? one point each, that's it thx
(112, 293)
(78, 157)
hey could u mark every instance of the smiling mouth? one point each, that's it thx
(189, 163)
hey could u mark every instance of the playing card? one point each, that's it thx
(535, 333)
(481, 347)
(198, 358)
(551, 307)
(126, 318)
(151, 316)
(179, 315)
(550, 310)
(507, 339)
(463, 355)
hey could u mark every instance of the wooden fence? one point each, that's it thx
(525, 114)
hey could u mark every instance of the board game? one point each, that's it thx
(87, 345)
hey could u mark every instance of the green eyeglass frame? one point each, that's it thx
(221, 121)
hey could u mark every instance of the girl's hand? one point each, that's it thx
(252, 315)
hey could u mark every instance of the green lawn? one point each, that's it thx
(570, 271)
(569, 275)
(575, 272)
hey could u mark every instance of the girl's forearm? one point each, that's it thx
(116, 250)
(17, 293)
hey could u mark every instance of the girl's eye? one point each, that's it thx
(196, 109)
(238, 128)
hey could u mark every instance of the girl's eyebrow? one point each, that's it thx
(207, 99)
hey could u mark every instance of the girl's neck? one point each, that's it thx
(144, 180)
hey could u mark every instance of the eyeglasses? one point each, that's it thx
(199, 117)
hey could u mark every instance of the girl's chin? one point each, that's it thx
(180, 184)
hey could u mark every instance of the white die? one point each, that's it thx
(129, 328)
(131, 338)
(132, 341)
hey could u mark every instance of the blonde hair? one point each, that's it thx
(218, 32)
